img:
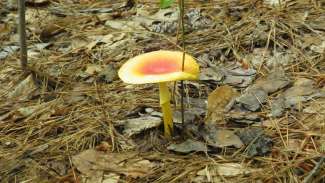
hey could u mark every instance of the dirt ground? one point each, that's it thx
(256, 114)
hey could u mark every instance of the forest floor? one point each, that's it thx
(256, 114)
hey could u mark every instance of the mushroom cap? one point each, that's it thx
(159, 66)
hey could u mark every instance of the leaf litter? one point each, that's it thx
(268, 56)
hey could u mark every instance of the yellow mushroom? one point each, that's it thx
(160, 67)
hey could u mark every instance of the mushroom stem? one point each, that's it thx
(166, 109)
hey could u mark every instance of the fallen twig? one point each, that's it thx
(22, 34)
(315, 171)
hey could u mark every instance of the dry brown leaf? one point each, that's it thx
(227, 170)
(79, 43)
(49, 31)
(93, 69)
(24, 88)
(316, 119)
(92, 163)
(137, 125)
(224, 138)
(218, 101)
(4, 29)
(294, 145)
(188, 146)
(57, 26)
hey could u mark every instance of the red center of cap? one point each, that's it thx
(160, 67)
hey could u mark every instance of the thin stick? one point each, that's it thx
(22, 34)
(315, 171)
(181, 8)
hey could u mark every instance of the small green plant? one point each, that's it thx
(166, 3)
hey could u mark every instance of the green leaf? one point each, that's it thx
(166, 3)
